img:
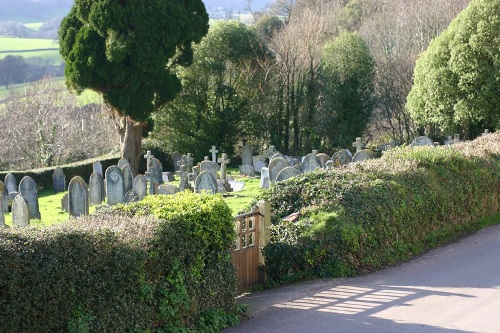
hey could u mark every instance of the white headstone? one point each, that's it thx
(275, 166)
(422, 141)
(122, 162)
(259, 162)
(205, 182)
(311, 162)
(264, 177)
(287, 173)
(20, 212)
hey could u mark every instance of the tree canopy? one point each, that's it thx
(457, 79)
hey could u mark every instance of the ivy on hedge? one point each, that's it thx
(161, 265)
(367, 215)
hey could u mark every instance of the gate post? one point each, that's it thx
(264, 235)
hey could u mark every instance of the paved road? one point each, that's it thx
(455, 288)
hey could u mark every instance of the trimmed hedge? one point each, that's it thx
(43, 177)
(161, 265)
(367, 215)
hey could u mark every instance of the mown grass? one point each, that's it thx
(47, 49)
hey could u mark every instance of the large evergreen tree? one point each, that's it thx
(457, 79)
(126, 50)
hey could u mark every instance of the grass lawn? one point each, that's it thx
(47, 49)
(51, 212)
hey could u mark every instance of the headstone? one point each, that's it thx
(275, 166)
(140, 186)
(156, 175)
(128, 177)
(236, 185)
(287, 173)
(148, 157)
(59, 180)
(207, 165)
(115, 188)
(122, 162)
(247, 156)
(20, 212)
(29, 191)
(294, 160)
(183, 183)
(97, 167)
(278, 154)
(486, 132)
(205, 182)
(247, 170)
(311, 162)
(264, 178)
(456, 138)
(10, 182)
(323, 158)
(422, 141)
(130, 196)
(259, 162)
(189, 161)
(176, 157)
(341, 157)
(78, 197)
(168, 189)
(363, 155)
(64, 203)
(298, 167)
(224, 161)
(270, 152)
(96, 189)
(214, 152)
(358, 144)
(168, 177)
(12, 195)
(4, 197)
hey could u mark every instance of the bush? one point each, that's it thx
(368, 215)
(122, 272)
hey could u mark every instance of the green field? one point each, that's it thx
(47, 49)
(34, 26)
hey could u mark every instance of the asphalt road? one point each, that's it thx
(455, 288)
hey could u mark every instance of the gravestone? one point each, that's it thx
(96, 189)
(168, 189)
(486, 132)
(115, 188)
(140, 186)
(59, 180)
(422, 141)
(341, 157)
(264, 178)
(323, 158)
(4, 197)
(20, 212)
(207, 165)
(270, 152)
(29, 191)
(276, 155)
(287, 173)
(130, 196)
(298, 167)
(64, 203)
(205, 182)
(78, 197)
(128, 177)
(148, 157)
(97, 167)
(224, 161)
(156, 175)
(311, 162)
(246, 167)
(183, 174)
(359, 144)
(10, 182)
(275, 166)
(167, 177)
(122, 162)
(259, 162)
(189, 161)
(294, 160)
(364, 155)
(214, 152)
(176, 157)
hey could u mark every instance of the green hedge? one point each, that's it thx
(167, 270)
(367, 215)
(43, 177)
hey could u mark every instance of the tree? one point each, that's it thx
(13, 69)
(348, 71)
(127, 50)
(456, 86)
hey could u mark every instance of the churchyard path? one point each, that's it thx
(454, 288)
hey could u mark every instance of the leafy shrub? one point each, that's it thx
(367, 215)
(123, 272)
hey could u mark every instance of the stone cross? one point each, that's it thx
(148, 158)
(189, 161)
(358, 144)
(223, 162)
(214, 152)
(184, 181)
(271, 151)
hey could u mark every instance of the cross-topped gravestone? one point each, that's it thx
(189, 161)
(148, 157)
(183, 175)
(224, 161)
(214, 152)
(358, 144)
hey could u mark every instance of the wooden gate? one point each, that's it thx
(252, 234)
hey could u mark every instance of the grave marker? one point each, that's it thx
(122, 162)
(115, 189)
(214, 152)
(96, 189)
(209, 166)
(156, 175)
(275, 166)
(364, 155)
(422, 141)
(311, 162)
(29, 191)
(97, 167)
(78, 197)
(10, 183)
(140, 186)
(264, 178)
(287, 173)
(205, 182)
(20, 212)
(4, 197)
(358, 144)
(128, 177)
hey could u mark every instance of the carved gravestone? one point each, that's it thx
(115, 188)
(59, 180)
(189, 161)
(287, 173)
(205, 182)
(156, 175)
(130, 196)
(311, 162)
(122, 162)
(4, 197)
(207, 165)
(225, 186)
(29, 191)
(128, 177)
(246, 167)
(168, 189)
(278, 154)
(359, 144)
(148, 157)
(10, 183)
(275, 166)
(78, 197)
(270, 152)
(96, 189)
(2, 215)
(214, 152)
(97, 167)
(323, 158)
(264, 178)
(176, 157)
(259, 162)
(294, 160)
(422, 141)
(20, 212)
(341, 157)
(364, 155)
(140, 186)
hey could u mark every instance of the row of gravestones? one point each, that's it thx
(23, 199)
